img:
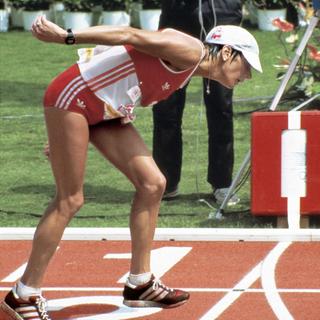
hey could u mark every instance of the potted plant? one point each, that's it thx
(150, 14)
(151, 4)
(306, 73)
(57, 8)
(78, 13)
(268, 10)
(33, 9)
(134, 9)
(16, 7)
(115, 12)
(270, 4)
(4, 17)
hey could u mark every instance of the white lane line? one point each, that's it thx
(117, 256)
(201, 290)
(233, 295)
(162, 259)
(269, 283)
(178, 234)
(15, 275)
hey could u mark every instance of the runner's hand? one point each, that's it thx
(48, 31)
(46, 150)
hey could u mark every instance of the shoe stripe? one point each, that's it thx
(161, 296)
(154, 294)
(30, 315)
(146, 293)
(26, 308)
(28, 312)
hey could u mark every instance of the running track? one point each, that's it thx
(228, 280)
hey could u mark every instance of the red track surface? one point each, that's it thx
(208, 269)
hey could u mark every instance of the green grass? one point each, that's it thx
(26, 184)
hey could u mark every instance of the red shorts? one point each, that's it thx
(68, 91)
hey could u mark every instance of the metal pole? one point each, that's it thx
(313, 23)
(234, 183)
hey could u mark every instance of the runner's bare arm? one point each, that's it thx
(180, 50)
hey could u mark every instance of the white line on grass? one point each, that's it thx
(22, 116)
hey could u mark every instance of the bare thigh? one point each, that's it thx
(68, 135)
(125, 149)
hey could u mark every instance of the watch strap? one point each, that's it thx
(70, 39)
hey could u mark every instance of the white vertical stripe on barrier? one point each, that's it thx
(294, 120)
(293, 167)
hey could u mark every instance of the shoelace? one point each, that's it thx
(41, 304)
(157, 283)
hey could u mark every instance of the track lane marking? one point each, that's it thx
(162, 259)
(201, 290)
(16, 274)
(122, 312)
(233, 294)
(269, 283)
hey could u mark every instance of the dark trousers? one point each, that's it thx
(167, 135)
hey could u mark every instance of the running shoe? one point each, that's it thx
(171, 194)
(153, 294)
(18, 309)
(220, 194)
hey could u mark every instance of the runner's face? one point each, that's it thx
(235, 70)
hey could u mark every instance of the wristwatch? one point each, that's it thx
(70, 39)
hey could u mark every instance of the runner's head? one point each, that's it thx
(234, 52)
(239, 40)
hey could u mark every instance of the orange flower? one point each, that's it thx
(283, 25)
(314, 54)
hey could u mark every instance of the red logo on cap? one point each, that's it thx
(217, 34)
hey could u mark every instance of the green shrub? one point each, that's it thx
(151, 4)
(115, 5)
(272, 4)
(31, 5)
(80, 5)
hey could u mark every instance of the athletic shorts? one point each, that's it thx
(68, 91)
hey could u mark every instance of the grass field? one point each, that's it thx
(26, 184)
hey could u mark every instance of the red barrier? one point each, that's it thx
(267, 129)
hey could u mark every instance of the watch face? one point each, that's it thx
(70, 39)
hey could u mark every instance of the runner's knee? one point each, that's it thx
(70, 205)
(154, 186)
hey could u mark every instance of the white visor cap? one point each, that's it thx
(239, 39)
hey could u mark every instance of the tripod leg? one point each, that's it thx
(233, 186)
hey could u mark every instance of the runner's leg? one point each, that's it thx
(124, 148)
(68, 136)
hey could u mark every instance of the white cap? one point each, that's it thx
(239, 39)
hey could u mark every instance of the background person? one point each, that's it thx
(93, 100)
(188, 17)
